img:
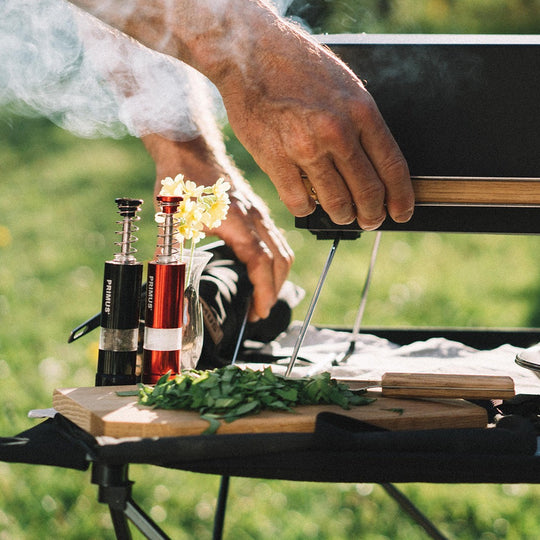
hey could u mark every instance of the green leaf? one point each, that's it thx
(225, 403)
(214, 424)
(289, 394)
(246, 408)
(163, 379)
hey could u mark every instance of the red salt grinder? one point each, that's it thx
(164, 301)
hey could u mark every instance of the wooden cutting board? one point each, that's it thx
(100, 411)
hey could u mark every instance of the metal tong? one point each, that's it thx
(321, 366)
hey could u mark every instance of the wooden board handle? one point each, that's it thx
(447, 386)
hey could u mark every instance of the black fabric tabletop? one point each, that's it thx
(340, 450)
(56, 442)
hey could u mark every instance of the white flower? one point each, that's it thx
(192, 190)
(169, 186)
(202, 206)
(220, 187)
(216, 210)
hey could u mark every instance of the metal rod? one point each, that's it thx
(325, 364)
(312, 306)
(407, 506)
(143, 522)
(363, 299)
(241, 334)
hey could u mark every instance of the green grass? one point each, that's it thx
(57, 218)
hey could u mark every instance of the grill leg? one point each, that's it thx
(120, 523)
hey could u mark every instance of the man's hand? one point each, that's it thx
(248, 228)
(296, 108)
(301, 112)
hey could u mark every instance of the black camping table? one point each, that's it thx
(340, 449)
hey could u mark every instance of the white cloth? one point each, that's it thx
(374, 356)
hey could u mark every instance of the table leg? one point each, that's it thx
(407, 506)
(115, 491)
(219, 519)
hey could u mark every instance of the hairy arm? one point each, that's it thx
(296, 108)
(188, 140)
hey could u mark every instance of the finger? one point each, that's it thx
(367, 190)
(390, 165)
(332, 191)
(292, 191)
(350, 188)
(270, 242)
(260, 271)
(312, 192)
(259, 263)
(282, 253)
(239, 232)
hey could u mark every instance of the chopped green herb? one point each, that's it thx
(230, 392)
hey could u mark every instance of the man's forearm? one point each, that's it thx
(298, 109)
(206, 34)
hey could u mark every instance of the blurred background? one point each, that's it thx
(57, 217)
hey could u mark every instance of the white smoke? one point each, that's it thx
(281, 6)
(59, 62)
